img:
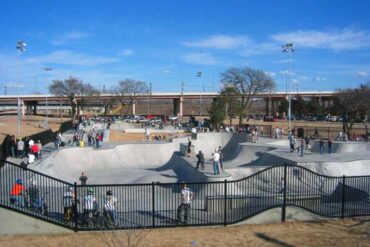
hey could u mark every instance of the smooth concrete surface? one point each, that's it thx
(274, 216)
(15, 223)
(146, 162)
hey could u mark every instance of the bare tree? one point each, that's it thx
(70, 88)
(354, 106)
(127, 91)
(247, 83)
(87, 90)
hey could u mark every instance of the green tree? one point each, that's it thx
(314, 107)
(217, 113)
(248, 83)
(299, 106)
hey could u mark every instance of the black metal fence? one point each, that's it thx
(214, 203)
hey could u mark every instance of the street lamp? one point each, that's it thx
(289, 49)
(46, 103)
(199, 75)
(21, 46)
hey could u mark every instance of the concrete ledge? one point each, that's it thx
(15, 223)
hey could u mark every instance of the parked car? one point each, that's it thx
(269, 119)
(172, 118)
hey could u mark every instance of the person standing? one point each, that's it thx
(216, 160)
(83, 178)
(147, 134)
(39, 145)
(302, 147)
(221, 157)
(186, 196)
(13, 146)
(20, 148)
(110, 208)
(200, 157)
(307, 144)
(330, 146)
(189, 148)
(321, 146)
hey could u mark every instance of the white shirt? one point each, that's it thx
(90, 202)
(31, 158)
(110, 202)
(68, 199)
(216, 156)
(186, 195)
(30, 143)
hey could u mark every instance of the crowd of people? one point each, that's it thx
(25, 148)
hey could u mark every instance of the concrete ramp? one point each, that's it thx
(141, 162)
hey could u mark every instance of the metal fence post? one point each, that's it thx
(225, 202)
(75, 208)
(153, 206)
(343, 196)
(283, 208)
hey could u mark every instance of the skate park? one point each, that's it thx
(250, 181)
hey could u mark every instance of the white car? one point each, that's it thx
(172, 118)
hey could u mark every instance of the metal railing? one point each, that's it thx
(214, 203)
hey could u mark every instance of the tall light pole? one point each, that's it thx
(199, 75)
(21, 46)
(46, 103)
(289, 49)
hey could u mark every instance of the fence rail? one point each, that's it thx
(157, 204)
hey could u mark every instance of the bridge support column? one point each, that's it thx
(23, 107)
(267, 100)
(133, 106)
(177, 107)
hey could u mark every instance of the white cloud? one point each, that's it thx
(126, 53)
(303, 77)
(219, 42)
(166, 71)
(295, 81)
(69, 58)
(272, 74)
(362, 74)
(200, 58)
(345, 39)
(68, 37)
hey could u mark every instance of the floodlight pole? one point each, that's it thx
(289, 48)
(21, 46)
(199, 75)
(46, 104)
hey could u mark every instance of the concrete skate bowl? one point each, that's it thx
(247, 155)
(343, 147)
(132, 163)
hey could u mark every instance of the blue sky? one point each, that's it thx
(167, 42)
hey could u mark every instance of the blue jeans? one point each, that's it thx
(216, 169)
(18, 199)
(329, 150)
(322, 150)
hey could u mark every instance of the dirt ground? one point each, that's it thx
(347, 233)
(29, 125)
(116, 135)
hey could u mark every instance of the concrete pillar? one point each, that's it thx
(133, 108)
(35, 109)
(267, 106)
(181, 113)
(273, 110)
(23, 107)
(178, 107)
